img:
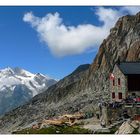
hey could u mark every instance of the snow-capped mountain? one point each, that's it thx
(18, 86)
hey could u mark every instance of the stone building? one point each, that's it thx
(125, 80)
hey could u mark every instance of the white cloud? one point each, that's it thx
(130, 9)
(108, 16)
(65, 40)
(29, 17)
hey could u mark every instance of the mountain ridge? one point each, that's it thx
(17, 86)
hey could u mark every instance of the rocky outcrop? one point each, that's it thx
(81, 91)
(123, 43)
(129, 127)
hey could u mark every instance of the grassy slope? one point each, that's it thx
(55, 130)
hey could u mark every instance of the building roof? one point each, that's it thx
(129, 67)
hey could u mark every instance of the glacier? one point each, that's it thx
(18, 86)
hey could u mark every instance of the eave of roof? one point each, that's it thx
(129, 67)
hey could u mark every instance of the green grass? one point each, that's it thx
(55, 130)
(135, 131)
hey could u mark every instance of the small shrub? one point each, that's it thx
(135, 131)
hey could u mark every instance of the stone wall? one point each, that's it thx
(137, 93)
(115, 114)
(118, 88)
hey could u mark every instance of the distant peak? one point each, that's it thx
(11, 69)
(39, 74)
(7, 69)
(81, 68)
(42, 75)
(17, 69)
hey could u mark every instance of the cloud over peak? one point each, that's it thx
(65, 40)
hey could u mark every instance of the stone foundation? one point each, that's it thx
(111, 115)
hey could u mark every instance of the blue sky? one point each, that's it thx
(24, 44)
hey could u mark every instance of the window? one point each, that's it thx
(133, 94)
(119, 81)
(113, 95)
(120, 95)
(134, 82)
(113, 82)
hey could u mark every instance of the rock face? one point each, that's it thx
(123, 43)
(81, 91)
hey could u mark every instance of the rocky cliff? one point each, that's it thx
(81, 91)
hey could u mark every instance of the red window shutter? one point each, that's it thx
(120, 95)
(113, 95)
(119, 81)
(113, 82)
